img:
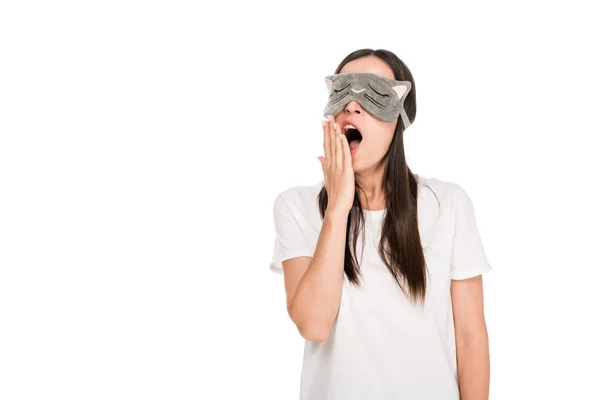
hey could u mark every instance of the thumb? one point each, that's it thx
(322, 161)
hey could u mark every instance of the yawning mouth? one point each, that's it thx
(353, 134)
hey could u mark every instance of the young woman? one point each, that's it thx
(382, 267)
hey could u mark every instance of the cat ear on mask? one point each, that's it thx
(401, 89)
(328, 82)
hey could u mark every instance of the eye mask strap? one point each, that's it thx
(401, 88)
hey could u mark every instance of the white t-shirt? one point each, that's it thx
(381, 347)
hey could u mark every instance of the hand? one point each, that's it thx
(337, 168)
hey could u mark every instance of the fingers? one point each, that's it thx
(326, 143)
(331, 139)
(335, 148)
(339, 151)
(347, 162)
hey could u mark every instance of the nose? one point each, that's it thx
(353, 108)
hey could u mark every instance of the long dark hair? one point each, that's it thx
(400, 244)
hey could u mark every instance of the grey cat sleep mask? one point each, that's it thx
(381, 97)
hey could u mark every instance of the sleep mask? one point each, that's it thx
(382, 97)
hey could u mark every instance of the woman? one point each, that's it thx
(382, 267)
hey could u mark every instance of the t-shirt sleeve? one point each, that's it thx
(290, 241)
(468, 256)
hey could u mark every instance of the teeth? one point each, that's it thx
(349, 126)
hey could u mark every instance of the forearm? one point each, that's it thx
(473, 369)
(318, 295)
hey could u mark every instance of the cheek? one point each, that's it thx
(385, 143)
(383, 137)
(387, 132)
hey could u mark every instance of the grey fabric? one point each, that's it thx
(381, 97)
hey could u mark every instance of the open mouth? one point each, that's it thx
(353, 135)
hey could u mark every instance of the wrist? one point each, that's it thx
(336, 215)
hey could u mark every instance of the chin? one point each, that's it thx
(357, 167)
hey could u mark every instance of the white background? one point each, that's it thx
(143, 144)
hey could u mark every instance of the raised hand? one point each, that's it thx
(337, 168)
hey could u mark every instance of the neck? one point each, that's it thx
(372, 195)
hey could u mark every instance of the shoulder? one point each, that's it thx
(444, 190)
(299, 198)
(451, 195)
